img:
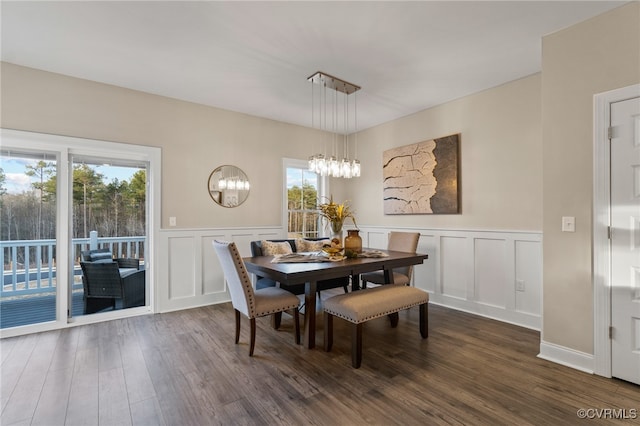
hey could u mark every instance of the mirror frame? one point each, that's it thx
(226, 197)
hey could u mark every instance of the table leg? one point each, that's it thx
(355, 282)
(310, 314)
(388, 276)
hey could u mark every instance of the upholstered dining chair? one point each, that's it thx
(398, 241)
(249, 302)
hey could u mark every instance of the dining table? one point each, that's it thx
(310, 273)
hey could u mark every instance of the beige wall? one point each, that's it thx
(500, 149)
(194, 140)
(501, 160)
(589, 58)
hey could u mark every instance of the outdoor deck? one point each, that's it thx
(34, 309)
(28, 295)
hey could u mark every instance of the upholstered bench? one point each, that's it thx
(360, 306)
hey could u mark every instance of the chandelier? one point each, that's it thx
(331, 113)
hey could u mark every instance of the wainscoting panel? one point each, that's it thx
(454, 267)
(429, 270)
(375, 239)
(473, 271)
(528, 259)
(489, 272)
(190, 274)
(478, 271)
(182, 269)
(212, 277)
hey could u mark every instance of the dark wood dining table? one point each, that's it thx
(310, 273)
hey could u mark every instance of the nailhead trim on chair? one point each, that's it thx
(245, 279)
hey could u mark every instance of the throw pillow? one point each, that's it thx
(303, 245)
(270, 248)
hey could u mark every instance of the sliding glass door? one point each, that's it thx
(109, 205)
(28, 240)
(62, 198)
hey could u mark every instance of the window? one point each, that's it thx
(303, 190)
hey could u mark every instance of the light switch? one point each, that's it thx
(568, 224)
(172, 221)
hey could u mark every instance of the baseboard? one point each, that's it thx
(565, 356)
(495, 313)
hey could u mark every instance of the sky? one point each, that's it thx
(17, 182)
(294, 177)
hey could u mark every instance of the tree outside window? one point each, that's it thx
(302, 201)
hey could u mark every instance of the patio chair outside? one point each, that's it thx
(104, 284)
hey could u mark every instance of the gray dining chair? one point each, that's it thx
(398, 241)
(249, 302)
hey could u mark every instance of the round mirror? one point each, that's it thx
(228, 186)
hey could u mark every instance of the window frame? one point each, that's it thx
(323, 189)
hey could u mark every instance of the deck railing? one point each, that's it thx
(29, 266)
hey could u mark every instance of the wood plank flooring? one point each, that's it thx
(183, 368)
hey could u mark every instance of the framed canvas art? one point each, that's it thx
(422, 178)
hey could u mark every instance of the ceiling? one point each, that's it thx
(255, 57)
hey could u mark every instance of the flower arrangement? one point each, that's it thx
(336, 214)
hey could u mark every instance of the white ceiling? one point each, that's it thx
(255, 57)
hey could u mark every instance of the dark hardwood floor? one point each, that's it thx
(183, 368)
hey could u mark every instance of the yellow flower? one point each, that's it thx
(336, 214)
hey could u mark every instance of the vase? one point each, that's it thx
(336, 230)
(352, 243)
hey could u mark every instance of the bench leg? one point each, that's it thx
(394, 319)
(328, 331)
(356, 345)
(424, 321)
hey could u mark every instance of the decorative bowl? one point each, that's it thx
(332, 251)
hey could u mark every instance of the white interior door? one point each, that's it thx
(625, 240)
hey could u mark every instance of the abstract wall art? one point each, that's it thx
(422, 178)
